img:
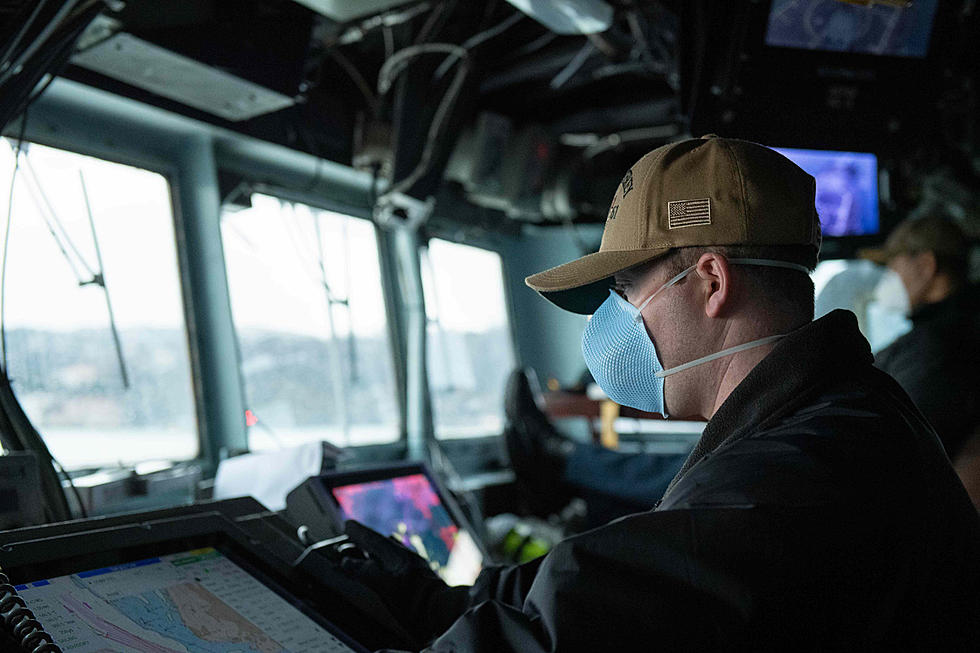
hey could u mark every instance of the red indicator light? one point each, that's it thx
(250, 418)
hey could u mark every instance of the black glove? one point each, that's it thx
(412, 592)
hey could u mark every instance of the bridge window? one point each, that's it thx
(307, 301)
(103, 386)
(470, 349)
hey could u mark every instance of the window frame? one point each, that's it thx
(467, 453)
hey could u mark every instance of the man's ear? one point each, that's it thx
(716, 275)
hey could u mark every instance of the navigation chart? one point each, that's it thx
(408, 508)
(194, 602)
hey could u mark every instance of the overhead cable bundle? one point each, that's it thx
(36, 40)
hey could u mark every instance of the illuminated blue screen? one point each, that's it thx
(847, 189)
(841, 27)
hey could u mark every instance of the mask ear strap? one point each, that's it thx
(770, 263)
(724, 352)
(761, 262)
(667, 285)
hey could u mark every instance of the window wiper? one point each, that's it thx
(436, 320)
(320, 279)
(51, 221)
(340, 389)
(351, 340)
(61, 238)
(98, 279)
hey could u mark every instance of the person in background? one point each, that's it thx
(938, 361)
(552, 469)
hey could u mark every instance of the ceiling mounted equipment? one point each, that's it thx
(345, 10)
(176, 77)
(569, 16)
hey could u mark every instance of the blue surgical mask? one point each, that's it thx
(623, 359)
(891, 295)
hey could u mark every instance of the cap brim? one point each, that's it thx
(879, 255)
(580, 286)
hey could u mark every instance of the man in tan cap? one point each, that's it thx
(817, 512)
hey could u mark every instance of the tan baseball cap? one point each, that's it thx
(935, 234)
(693, 193)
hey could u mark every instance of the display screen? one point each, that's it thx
(847, 189)
(193, 602)
(844, 27)
(408, 507)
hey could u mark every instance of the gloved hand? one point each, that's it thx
(412, 592)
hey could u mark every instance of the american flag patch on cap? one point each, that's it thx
(688, 213)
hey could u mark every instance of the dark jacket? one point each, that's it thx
(938, 364)
(818, 512)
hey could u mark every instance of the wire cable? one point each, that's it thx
(14, 42)
(477, 39)
(6, 244)
(394, 67)
(573, 66)
(74, 490)
(15, 66)
(23, 75)
(65, 15)
(390, 19)
(395, 64)
(41, 89)
(533, 46)
(389, 39)
(440, 11)
(356, 77)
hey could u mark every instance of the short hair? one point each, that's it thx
(782, 289)
(936, 232)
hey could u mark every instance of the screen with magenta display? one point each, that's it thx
(409, 508)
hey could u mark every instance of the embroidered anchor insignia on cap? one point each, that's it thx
(612, 212)
(627, 182)
(688, 213)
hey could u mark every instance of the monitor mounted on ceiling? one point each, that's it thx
(895, 29)
(847, 189)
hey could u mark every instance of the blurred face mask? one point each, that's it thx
(623, 359)
(890, 293)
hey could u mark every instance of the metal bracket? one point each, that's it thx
(397, 210)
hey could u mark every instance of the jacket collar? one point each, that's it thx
(806, 358)
(961, 301)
